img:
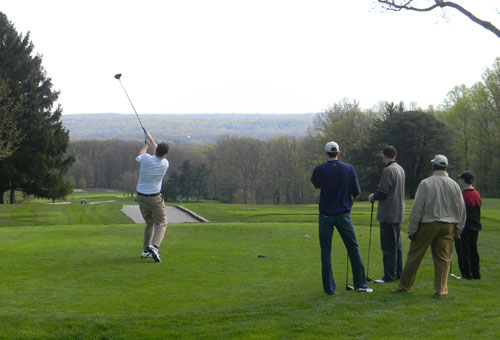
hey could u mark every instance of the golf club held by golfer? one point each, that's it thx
(118, 76)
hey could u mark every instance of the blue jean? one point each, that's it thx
(346, 230)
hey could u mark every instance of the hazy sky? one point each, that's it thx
(253, 56)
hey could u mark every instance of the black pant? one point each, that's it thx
(468, 257)
(392, 250)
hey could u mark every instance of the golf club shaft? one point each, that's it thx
(123, 87)
(369, 245)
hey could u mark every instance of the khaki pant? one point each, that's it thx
(439, 236)
(154, 213)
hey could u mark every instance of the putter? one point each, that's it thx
(118, 76)
(347, 286)
(368, 278)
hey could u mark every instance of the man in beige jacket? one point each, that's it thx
(436, 219)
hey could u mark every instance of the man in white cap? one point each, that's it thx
(339, 186)
(436, 219)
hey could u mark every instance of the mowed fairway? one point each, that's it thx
(74, 272)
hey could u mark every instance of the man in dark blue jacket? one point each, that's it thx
(339, 186)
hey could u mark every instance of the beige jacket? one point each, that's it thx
(438, 199)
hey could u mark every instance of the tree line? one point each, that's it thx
(37, 157)
(277, 171)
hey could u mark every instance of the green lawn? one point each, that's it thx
(74, 272)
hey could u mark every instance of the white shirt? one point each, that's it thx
(151, 173)
(438, 199)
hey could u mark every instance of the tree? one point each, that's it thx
(428, 5)
(344, 123)
(200, 180)
(418, 137)
(237, 161)
(38, 166)
(169, 188)
(9, 134)
(82, 184)
(186, 180)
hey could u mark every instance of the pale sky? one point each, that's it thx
(253, 56)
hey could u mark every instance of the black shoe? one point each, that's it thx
(400, 290)
(439, 296)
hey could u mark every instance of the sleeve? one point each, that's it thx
(462, 215)
(315, 178)
(385, 181)
(384, 185)
(356, 188)
(417, 209)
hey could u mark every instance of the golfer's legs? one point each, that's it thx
(389, 245)
(325, 242)
(348, 234)
(474, 255)
(160, 218)
(442, 252)
(418, 247)
(147, 214)
(459, 247)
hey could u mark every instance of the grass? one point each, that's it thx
(62, 279)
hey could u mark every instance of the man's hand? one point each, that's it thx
(370, 198)
(411, 237)
(148, 137)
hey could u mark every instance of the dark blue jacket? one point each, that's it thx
(338, 182)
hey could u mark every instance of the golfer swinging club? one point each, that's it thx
(153, 169)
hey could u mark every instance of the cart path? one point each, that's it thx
(174, 215)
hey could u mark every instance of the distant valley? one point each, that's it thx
(187, 128)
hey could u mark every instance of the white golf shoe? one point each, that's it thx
(155, 253)
(146, 254)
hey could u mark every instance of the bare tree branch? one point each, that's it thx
(394, 5)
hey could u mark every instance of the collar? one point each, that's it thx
(442, 173)
(391, 162)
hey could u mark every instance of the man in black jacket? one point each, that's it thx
(466, 246)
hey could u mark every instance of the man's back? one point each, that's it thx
(438, 199)
(472, 201)
(392, 182)
(339, 183)
(151, 173)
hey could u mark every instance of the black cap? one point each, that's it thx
(467, 176)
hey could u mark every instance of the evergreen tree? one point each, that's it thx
(418, 137)
(39, 164)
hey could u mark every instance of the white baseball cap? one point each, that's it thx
(440, 160)
(332, 147)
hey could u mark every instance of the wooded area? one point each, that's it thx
(277, 171)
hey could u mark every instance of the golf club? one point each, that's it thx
(368, 278)
(451, 274)
(118, 76)
(347, 286)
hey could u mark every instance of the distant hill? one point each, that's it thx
(181, 128)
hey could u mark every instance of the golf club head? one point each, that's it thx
(118, 76)
(368, 278)
(349, 287)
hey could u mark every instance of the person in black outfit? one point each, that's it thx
(466, 246)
